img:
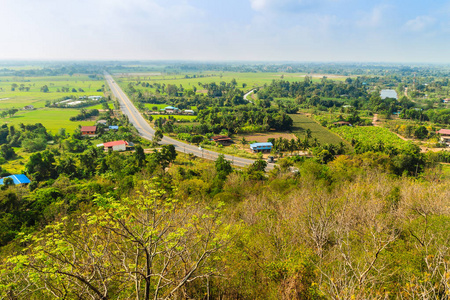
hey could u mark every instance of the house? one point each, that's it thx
(18, 179)
(222, 139)
(116, 146)
(189, 112)
(113, 127)
(261, 147)
(388, 94)
(95, 98)
(445, 136)
(89, 130)
(28, 107)
(103, 122)
(447, 100)
(171, 110)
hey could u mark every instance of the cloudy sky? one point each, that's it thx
(275, 30)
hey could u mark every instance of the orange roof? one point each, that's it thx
(88, 128)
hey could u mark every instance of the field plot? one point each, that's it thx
(17, 92)
(323, 135)
(52, 119)
(370, 135)
(249, 79)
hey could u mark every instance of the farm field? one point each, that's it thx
(370, 135)
(16, 166)
(250, 79)
(34, 96)
(323, 135)
(52, 119)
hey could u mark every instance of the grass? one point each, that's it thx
(16, 166)
(52, 119)
(323, 135)
(19, 99)
(250, 79)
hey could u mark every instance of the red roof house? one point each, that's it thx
(116, 145)
(88, 130)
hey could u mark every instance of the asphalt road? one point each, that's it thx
(146, 131)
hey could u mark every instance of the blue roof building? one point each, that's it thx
(18, 179)
(263, 147)
(113, 127)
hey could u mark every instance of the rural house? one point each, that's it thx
(261, 147)
(18, 179)
(116, 145)
(222, 139)
(189, 112)
(28, 107)
(89, 130)
(445, 136)
(171, 110)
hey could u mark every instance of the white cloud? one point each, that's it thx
(375, 17)
(420, 23)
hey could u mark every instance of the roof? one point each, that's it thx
(113, 127)
(388, 94)
(188, 110)
(88, 128)
(444, 131)
(221, 138)
(18, 179)
(170, 107)
(115, 143)
(261, 145)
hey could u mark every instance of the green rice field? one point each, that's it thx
(53, 119)
(34, 96)
(323, 135)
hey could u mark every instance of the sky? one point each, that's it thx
(226, 30)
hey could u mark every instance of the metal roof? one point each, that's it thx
(388, 94)
(261, 145)
(18, 179)
(115, 143)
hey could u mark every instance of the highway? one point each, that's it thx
(147, 132)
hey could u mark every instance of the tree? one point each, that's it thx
(7, 152)
(44, 89)
(157, 137)
(421, 132)
(150, 246)
(223, 167)
(140, 155)
(11, 112)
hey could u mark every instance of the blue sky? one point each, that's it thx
(256, 30)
